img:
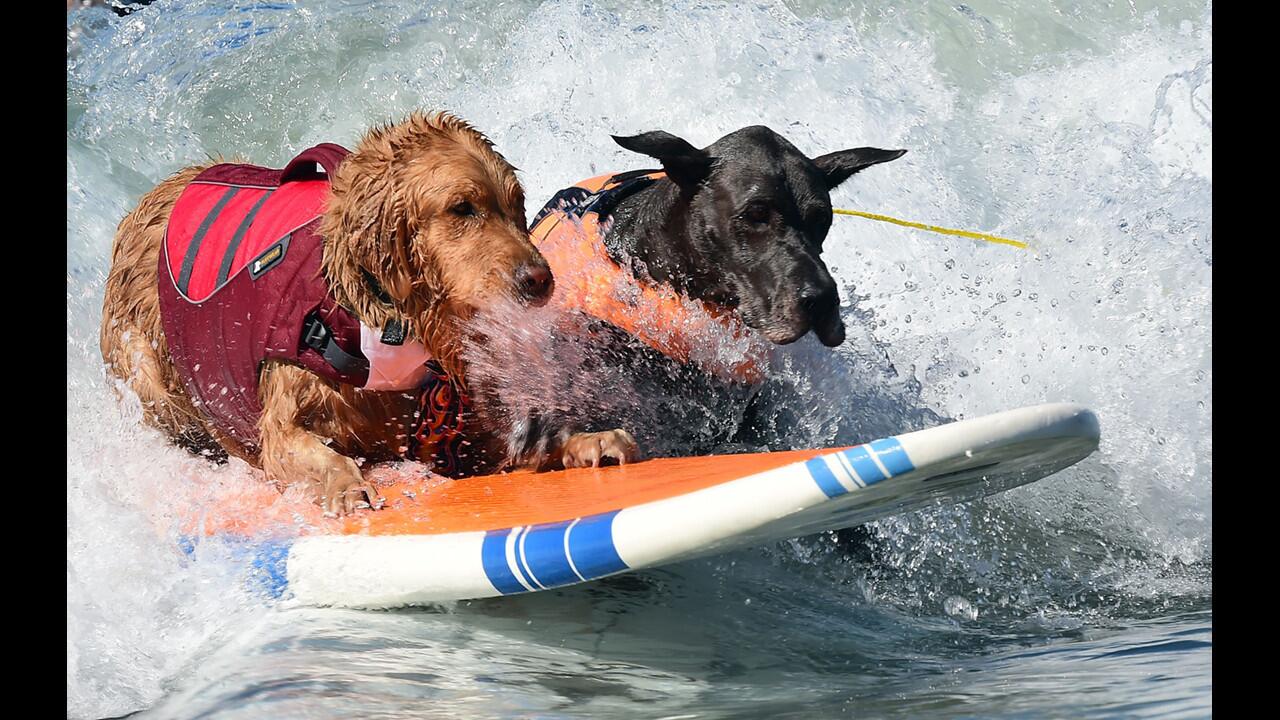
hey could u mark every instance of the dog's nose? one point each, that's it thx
(819, 299)
(821, 305)
(535, 282)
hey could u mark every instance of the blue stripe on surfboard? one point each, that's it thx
(267, 560)
(270, 562)
(826, 480)
(545, 562)
(544, 553)
(520, 560)
(591, 546)
(890, 454)
(493, 555)
(860, 460)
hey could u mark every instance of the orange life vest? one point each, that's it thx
(569, 230)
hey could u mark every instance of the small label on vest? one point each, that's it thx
(269, 258)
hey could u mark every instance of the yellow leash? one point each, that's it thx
(932, 228)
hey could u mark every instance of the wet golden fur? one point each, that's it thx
(430, 210)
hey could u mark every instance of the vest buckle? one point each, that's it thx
(315, 334)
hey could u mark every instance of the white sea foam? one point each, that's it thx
(1086, 136)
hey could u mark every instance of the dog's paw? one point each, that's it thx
(588, 449)
(346, 492)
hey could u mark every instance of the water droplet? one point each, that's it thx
(960, 608)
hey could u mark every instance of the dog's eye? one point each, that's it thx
(757, 214)
(463, 209)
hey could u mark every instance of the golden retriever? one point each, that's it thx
(423, 225)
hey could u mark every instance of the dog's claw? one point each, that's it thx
(359, 495)
(588, 449)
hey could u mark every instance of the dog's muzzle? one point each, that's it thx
(535, 283)
(820, 305)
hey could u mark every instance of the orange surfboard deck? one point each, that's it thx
(421, 503)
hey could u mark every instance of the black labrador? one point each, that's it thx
(739, 224)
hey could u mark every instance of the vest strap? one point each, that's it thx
(317, 336)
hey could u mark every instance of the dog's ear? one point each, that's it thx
(685, 164)
(374, 228)
(839, 165)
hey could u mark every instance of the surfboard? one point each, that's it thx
(439, 539)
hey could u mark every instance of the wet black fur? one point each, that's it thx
(739, 223)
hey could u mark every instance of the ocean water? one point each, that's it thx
(1082, 128)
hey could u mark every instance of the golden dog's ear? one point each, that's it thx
(375, 228)
(394, 266)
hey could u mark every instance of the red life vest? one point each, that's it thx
(240, 282)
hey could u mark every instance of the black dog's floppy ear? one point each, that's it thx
(685, 164)
(839, 165)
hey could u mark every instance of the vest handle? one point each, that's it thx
(302, 167)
